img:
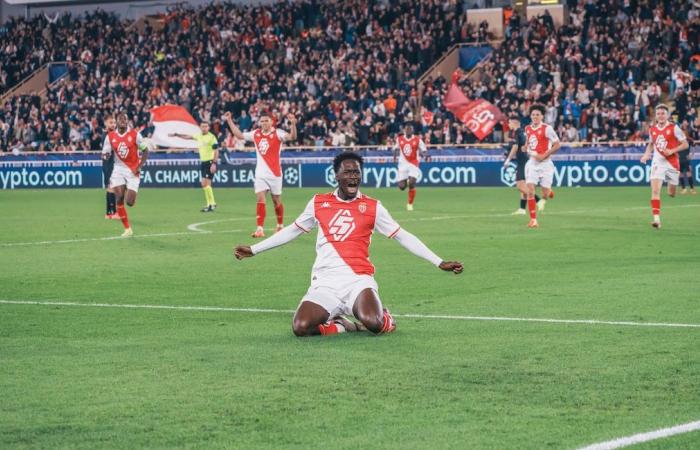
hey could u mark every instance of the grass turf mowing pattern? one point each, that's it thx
(86, 377)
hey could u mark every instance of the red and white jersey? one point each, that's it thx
(267, 149)
(345, 230)
(540, 139)
(668, 136)
(410, 149)
(125, 146)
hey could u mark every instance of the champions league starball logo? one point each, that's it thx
(291, 175)
(508, 174)
(330, 177)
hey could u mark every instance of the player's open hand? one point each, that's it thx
(452, 266)
(242, 251)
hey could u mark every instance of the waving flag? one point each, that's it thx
(173, 119)
(478, 115)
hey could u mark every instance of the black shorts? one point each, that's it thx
(685, 165)
(520, 172)
(107, 168)
(205, 169)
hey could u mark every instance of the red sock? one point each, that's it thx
(122, 215)
(329, 328)
(411, 195)
(532, 206)
(279, 210)
(260, 217)
(655, 206)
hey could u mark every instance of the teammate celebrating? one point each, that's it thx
(107, 168)
(268, 169)
(542, 142)
(409, 149)
(666, 139)
(342, 282)
(125, 144)
(519, 153)
(208, 146)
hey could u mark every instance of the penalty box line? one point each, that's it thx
(406, 316)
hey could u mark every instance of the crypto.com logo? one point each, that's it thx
(508, 174)
(341, 225)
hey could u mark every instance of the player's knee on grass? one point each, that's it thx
(303, 326)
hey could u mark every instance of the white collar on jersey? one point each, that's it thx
(359, 195)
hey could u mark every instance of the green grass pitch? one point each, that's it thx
(106, 377)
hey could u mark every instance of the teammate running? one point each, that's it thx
(542, 142)
(125, 144)
(342, 281)
(666, 139)
(519, 153)
(409, 149)
(107, 168)
(208, 146)
(268, 169)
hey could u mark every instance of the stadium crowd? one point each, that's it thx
(348, 70)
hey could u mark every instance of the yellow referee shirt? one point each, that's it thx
(206, 142)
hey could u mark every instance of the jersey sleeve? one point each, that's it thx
(421, 146)
(680, 135)
(106, 145)
(307, 219)
(282, 135)
(551, 134)
(248, 136)
(384, 223)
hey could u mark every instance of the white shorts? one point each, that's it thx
(409, 170)
(272, 184)
(123, 176)
(539, 172)
(662, 170)
(337, 294)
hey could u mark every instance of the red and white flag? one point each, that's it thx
(173, 119)
(479, 115)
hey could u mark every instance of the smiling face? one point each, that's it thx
(349, 177)
(536, 117)
(661, 115)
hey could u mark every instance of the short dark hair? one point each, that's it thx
(662, 106)
(514, 117)
(338, 160)
(537, 107)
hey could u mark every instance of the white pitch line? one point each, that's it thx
(195, 226)
(113, 238)
(407, 316)
(644, 437)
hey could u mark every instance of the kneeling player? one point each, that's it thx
(666, 139)
(409, 149)
(125, 177)
(342, 282)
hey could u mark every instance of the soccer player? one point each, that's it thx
(542, 143)
(342, 282)
(409, 149)
(686, 170)
(125, 144)
(268, 169)
(208, 146)
(666, 139)
(518, 152)
(107, 168)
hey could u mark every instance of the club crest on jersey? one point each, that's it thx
(263, 146)
(362, 207)
(122, 150)
(128, 138)
(341, 225)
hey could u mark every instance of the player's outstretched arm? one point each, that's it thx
(292, 128)
(418, 248)
(232, 126)
(282, 237)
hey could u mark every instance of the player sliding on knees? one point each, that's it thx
(125, 178)
(666, 139)
(268, 168)
(409, 149)
(342, 282)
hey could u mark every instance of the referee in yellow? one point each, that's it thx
(208, 146)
